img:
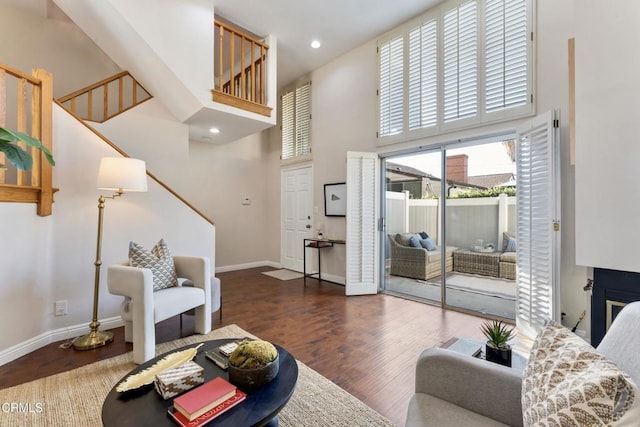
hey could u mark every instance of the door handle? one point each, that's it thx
(308, 226)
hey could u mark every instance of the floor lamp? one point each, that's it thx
(119, 174)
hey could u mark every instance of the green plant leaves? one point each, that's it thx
(497, 333)
(16, 155)
(20, 158)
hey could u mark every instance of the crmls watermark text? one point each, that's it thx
(20, 407)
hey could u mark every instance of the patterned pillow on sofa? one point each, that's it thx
(568, 383)
(158, 260)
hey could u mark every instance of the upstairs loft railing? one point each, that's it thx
(26, 105)
(107, 98)
(240, 69)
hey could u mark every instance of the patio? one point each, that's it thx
(485, 294)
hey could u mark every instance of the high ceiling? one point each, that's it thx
(340, 25)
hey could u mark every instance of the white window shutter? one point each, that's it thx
(460, 45)
(506, 54)
(538, 210)
(296, 122)
(288, 122)
(423, 75)
(391, 90)
(303, 120)
(362, 213)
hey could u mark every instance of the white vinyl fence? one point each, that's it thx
(468, 220)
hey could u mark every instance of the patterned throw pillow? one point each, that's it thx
(567, 383)
(158, 260)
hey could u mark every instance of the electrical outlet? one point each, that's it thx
(61, 308)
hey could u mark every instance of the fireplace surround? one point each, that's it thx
(612, 290)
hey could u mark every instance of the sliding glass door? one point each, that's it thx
(448, 213)
(413, 225)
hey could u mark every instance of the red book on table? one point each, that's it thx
(202, 398)
(209, 415)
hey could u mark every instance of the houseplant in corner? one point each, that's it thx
(253, 364)
(19, 157)
(497, 349)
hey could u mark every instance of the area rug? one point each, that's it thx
(283, 274)
(74, 398)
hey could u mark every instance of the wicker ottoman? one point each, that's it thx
(508, 265)
(484, 263)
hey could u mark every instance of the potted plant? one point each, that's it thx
(253, 364)
(19, 157)
(497, 348)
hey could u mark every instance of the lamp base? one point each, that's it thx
(93, 339)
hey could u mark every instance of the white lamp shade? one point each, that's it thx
(122, 174)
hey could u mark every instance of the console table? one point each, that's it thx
(317, 244)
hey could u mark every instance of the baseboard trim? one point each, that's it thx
(32, 344)
(335, 279)
(235, 267)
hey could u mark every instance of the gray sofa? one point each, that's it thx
(457, 390)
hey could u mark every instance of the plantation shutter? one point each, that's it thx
(362, 234)
(296, 122)
(288, 116)
(460, 72)
(303, 120)
(506, 54)
(423, 76)
(391, 90)
(538, 213)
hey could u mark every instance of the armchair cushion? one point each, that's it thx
(158, 260)
(428, 244)
(567, 382)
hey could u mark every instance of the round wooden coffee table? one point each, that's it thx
(145, 407)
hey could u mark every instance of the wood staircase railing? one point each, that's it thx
(107, 98)
(31, 113)
(245, 89)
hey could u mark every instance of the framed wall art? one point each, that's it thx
(335, 199)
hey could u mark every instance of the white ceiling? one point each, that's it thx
(341, 25)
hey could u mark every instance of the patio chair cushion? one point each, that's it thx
(404, 238)
(414, 241)
(428, 244)
(508, 257)
(567, 382)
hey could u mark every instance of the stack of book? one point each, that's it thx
(206, 402)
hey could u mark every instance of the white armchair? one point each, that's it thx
(142, 308)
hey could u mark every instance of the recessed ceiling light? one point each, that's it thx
(315, 44)
(214, 130)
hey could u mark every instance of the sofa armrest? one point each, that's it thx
(131, 282)
(408, 253)
(196, 269)
(483, 387)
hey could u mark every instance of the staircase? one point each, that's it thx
(171, 48)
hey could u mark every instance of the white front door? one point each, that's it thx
(296, 216)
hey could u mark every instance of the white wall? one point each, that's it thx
(31, 40)
(151, 133)
(607, 148)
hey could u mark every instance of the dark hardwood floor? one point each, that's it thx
(368, 345)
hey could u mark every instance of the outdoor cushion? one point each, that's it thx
(403, 238)
(508, 257)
